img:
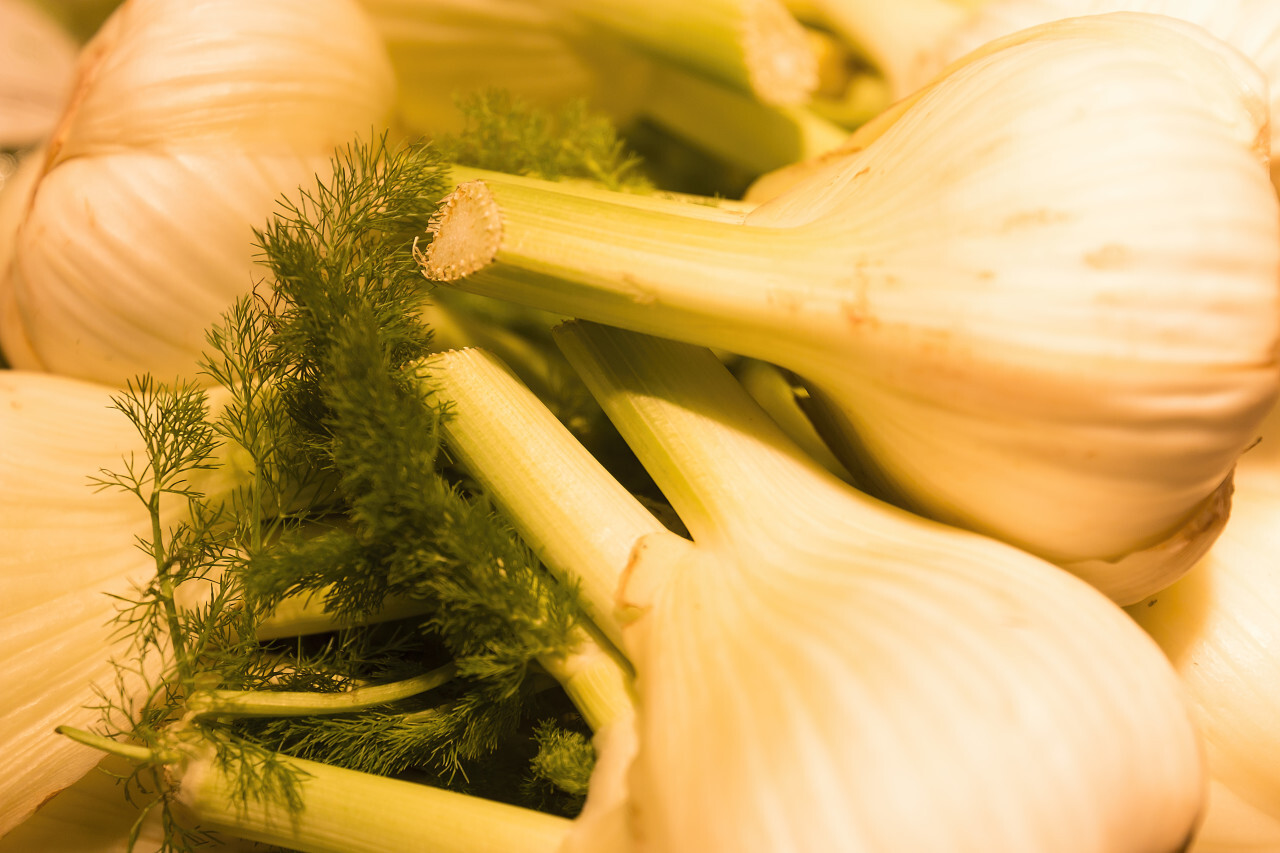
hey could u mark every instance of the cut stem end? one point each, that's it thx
(466, 233)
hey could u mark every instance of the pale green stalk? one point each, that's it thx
(341, 811)
(572, 513)
(268, 703)
(660, 201)
(305, 613)
(699, 434)
(866, 97)
(772, 391)
(596, 677)
(753, 45)
(350, 812)
(736, 127)
(578, 520)
(717, 282)
(594, 674)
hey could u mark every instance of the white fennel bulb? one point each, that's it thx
(1039, 300)
(1220, 626)
(816, 670)
(92, 816)
(187, 122)
(68, 549)
(37, 58)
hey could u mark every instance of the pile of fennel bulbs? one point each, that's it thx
(38, 330)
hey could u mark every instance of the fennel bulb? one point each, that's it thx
(1038, 300)
(187, 122)
(816, 670)
(68, 560)
(1220, 626)
(37, 58)
(91, 816)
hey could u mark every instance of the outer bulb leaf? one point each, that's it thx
(92, 816)
(67, 551)
(36, 74)
(1250, 26)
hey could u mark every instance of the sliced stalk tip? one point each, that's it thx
(466, 232)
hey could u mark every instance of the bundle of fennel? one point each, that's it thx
(318, 571)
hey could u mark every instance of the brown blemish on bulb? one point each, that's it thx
(1027, 218)
(785, 301)
(858, 314)
(466, 233)
(856, 308)
(1110, 257)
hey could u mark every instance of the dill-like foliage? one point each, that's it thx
(440, 738)
(342, 247)
(561, 770)
(186, 542)
(345, 332)
(506, 134)
(185, 625)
